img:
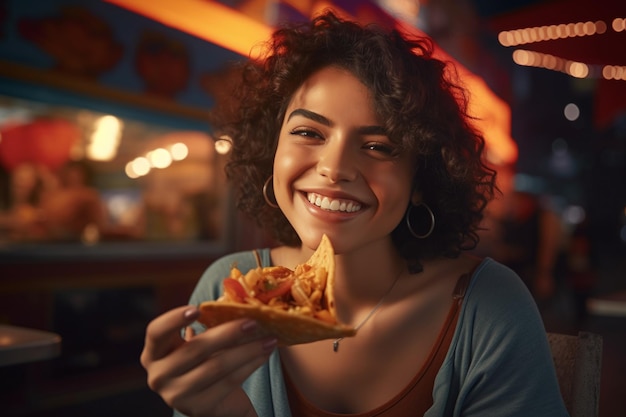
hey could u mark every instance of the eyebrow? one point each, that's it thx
(363, 130)
(310, 115)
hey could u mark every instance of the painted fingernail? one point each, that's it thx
(269, 345)
(191, 313)
(188, 333)
(249, 325)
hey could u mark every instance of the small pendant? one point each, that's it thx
(335, 345)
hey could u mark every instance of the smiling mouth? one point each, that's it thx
(329, 204)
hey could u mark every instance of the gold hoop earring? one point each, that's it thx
(267, 199)
(410, 227)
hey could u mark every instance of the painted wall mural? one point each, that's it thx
(81, 43)
(105, 52)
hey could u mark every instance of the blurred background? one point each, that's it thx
(113, 198)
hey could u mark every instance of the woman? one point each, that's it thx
(357, 133)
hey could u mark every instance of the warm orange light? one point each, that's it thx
(207, 20)
(321, 6)
(493, 119)
(491, 115)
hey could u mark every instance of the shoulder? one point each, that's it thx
(499, 319)
(499, 351)
(498, 310)
(244, 261)
(209, 286)
(495, 286)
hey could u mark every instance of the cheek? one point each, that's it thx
(395, 189)
(284, 162)
(287, 166)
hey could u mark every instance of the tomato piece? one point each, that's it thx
(281, 289)
(277, 272)
(235, 290)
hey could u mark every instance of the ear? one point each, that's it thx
(416, 198)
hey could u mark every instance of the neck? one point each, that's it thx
(363, 277)
(366, 271)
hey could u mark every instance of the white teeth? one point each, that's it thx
(333, 205)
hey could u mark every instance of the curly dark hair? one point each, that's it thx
(423, 109)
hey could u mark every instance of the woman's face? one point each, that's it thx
(336, 171)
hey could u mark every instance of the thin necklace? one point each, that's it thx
(370, 314)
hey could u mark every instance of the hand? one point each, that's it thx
(202, 375)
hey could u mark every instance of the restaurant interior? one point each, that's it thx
(113, 199)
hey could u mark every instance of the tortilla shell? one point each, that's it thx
(324, 256)
(289, 328)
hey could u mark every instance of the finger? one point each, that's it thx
(207, 358)
(230, 368)
(216, 340)
(216, 378)
(235, 332)
(163, 333)
(189, 333)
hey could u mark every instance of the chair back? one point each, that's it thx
(578, 361)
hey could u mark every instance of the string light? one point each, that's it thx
(159, 158)
(223, 144)
(562, 31)
(553, 32)
(619, 25)
(614, 72)
(573, 68)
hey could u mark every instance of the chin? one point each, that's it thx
(311, 239)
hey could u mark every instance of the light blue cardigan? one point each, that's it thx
(498, 364)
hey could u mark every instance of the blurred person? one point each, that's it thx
(532, 242)
(581, 271)
(525, 232)
(22, 220)
(167, 213)
(72, 209)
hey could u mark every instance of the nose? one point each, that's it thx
(337, 162)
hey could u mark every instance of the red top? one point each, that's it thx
(416, 397)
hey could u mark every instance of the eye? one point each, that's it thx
(306, 133)
(382, 148)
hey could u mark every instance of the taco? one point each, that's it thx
(296, 306)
